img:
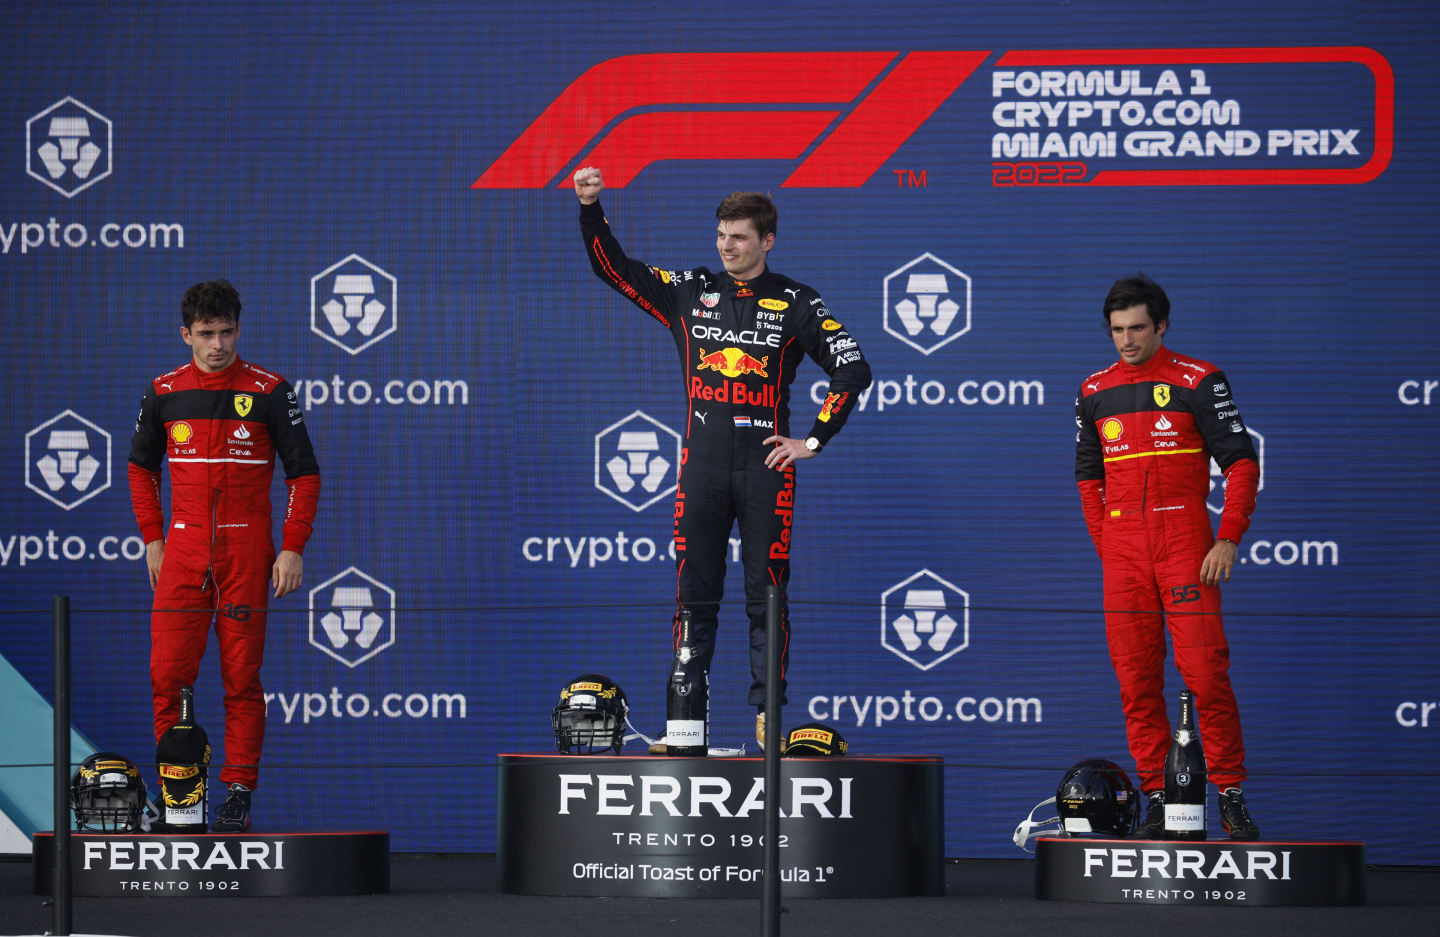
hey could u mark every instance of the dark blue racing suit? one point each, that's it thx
(740, 343)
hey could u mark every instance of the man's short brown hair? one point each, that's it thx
(755, 206)
(211, 301)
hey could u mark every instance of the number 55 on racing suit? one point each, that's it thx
(1146, 436)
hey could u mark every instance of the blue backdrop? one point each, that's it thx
(408, 257)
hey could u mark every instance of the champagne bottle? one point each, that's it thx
(182, 758)
(687, 699)
(1185, 778)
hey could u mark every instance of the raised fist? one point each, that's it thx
(588, 184)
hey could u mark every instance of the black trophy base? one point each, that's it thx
(645, 827)
(1148, 871)
(210, 864)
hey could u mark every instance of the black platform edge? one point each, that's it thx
(1211, 872)
(660, 827)
(209, 864)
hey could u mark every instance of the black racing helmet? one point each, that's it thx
(590, 716)
(1095, 797)
(107, 794)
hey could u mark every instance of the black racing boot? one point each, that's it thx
(234, 814)
(1153, 826)
(1235, 816)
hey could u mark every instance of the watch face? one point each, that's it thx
(812, 444)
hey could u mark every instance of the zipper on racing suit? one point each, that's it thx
(209, 579)
(1145, 476)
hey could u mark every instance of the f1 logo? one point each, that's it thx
(884, 97)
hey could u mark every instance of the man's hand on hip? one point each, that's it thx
(786, 450)
(287, 572)
(1218, 563)
(154, 556)
(588, 185)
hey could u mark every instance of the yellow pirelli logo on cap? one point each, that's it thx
(178, 772)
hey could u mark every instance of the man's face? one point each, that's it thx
(741, 248)
(1136, 337)
(213, 342)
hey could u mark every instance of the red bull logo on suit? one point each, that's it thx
(733, 362)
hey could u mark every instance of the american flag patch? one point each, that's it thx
(742, 421)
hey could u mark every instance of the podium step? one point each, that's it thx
(691, 827)
(210, 864)
(1209, 872)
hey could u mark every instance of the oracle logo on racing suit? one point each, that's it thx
(744, 337)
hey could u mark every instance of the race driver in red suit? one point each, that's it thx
(221, 421)
(1148, 427)
(741, 333)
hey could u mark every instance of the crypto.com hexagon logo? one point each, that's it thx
(352, 617)
(927, 303)
(64, 457)
(924, 620)
(1216, 503)
(67, 146)
(354, 304)
(637, 460)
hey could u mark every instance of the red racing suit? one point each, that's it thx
(222, 431)
(1146, 436)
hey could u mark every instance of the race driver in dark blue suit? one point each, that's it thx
(741, 334)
